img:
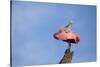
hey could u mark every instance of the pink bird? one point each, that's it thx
(65, 34)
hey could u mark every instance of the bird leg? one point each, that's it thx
(69, 45)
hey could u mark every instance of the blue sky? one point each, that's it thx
(33, 26)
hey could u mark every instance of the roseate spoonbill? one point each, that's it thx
(65, 34)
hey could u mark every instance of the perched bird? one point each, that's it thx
(65, 34)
